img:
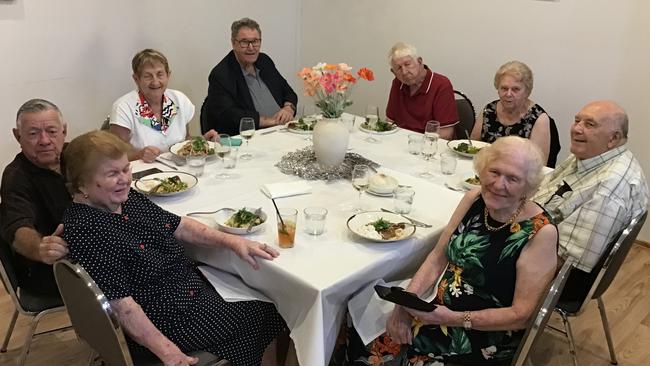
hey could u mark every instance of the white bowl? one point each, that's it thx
(222, 216)
(381, 183)
(467, 185)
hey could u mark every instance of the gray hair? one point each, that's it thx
(35, 106)
(243, 23)
(402, 49)
(519, 71)
(514, 145)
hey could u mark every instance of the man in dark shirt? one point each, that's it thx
(34, 196)
(246, 84)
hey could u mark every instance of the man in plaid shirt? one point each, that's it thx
(598, 189)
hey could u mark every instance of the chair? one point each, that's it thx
(598, 282)
(106, 124)
(203, 118)
(466, 115)
(555, 147)
(538, 323)
(90, 313)
(26, 303)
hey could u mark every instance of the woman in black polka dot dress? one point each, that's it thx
(131, 248)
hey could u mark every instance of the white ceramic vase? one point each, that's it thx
(331, 139)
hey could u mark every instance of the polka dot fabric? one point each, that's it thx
(136, 254)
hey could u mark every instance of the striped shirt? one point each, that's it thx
(592, 200)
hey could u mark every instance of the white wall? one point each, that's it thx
(579, 50)
(77, 53)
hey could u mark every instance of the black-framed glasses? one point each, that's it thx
(244, 43)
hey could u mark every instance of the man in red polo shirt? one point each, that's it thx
(418, 95)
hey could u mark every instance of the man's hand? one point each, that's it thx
(284, 115)
(210, 135)
(149, 154)
(53, 247)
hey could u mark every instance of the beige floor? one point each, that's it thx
(627, 301)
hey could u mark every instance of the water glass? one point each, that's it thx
(448, 162)
(196, 164)
(416, 141)
(315, 220)
(348, 121)
(403, 199)
(287, 232)
(230, 160)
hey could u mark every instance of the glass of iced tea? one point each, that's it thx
(287, 227)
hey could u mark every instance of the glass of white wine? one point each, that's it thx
(246, 131)
(360, 181)
(222, 148)
(430, 146)
(372, 117)
(308, 115)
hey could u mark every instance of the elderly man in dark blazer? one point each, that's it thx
(246, 84)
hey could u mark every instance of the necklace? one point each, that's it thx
(510, 220)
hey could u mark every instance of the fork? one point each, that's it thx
(256, 213)
(208, 212)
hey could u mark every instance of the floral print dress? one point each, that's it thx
(480, 274)
(493, 128)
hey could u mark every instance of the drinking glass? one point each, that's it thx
(196, 164)
(430, 146)
(315, 220)
(246, 131)
(223, 148)
(360, 177)
(403, 199)
(372, 116)
(448, 162)
(287, 232)
(308, 115)
(415, 143)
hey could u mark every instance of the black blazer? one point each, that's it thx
(229, 99)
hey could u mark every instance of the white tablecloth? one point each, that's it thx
(311, 283)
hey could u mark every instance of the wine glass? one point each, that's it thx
(308, 116)
(222, 148)
(360, 177)
(246, 131)
(372, 116)
(430, 145)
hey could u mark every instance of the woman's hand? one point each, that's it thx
(178, 358)
(441, 315)
(149, 154)
(247, 250)
(210, 135)
(398, 326)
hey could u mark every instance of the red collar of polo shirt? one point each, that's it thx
(424, 88)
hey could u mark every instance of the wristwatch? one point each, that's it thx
(290, 105)
(467, 320)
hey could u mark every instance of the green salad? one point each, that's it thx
(170, 185)
(300, 125)
(380, 126)
(243, 219)
(466, 148)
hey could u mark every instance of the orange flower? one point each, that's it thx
(349, 78)
(441, 290)
(515, 227)
(366, 73)
(331, 67)
(539, 221)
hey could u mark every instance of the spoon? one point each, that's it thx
(453, 188)
(209, 212)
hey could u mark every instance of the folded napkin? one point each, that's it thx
(277, 190)
(229, 287)
(234, 141)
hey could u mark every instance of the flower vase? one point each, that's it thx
(331, 139)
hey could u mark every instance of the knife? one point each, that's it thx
(408, 218)
(157, 160)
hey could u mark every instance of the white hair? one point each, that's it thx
(402, 49)
(35, 106)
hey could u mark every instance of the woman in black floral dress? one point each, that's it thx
(132, 249)
(514, 113)
(491, 266)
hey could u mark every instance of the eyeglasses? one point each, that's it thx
(244, 43)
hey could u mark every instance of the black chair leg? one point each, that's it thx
(10, 330)
(608, 334)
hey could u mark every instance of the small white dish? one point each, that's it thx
(223, 215)
(467, 185)
(382, 184)
(148, 182)
(453, 145)
(357, 224)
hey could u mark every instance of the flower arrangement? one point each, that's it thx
(330, 85)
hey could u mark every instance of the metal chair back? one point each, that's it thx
(89, 313)
(466, 115)
(538, 323)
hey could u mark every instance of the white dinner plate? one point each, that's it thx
(363, 128)
(466, 185)
(453, 144)
(148, 182)
(296, 130)
(357, 224)
(177, 146)
(379, 194)
(222, 216)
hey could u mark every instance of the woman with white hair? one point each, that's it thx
(514, 113)
(489, 269)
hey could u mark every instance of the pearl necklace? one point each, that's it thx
(510, 220)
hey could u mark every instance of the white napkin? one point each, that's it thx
(277, 190)
(229, 287)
